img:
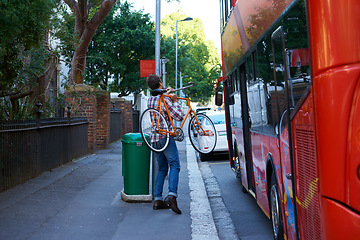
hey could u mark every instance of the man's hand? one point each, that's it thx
(169, 90)
(173, 97)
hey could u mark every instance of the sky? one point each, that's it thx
(207, 10)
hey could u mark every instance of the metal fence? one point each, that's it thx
(116, 125)
(136, 120)
(31, 147)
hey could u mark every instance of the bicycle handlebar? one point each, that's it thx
(156, 92)
(190, 84)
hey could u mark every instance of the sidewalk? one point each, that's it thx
(81, 201)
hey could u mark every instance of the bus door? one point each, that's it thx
(229, 100)
(246, 129)
(283, 129)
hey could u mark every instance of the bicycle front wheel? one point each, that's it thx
(202, 133)
(148, 128)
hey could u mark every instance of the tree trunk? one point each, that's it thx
(85, 29)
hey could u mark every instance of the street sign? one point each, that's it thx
(147, 67)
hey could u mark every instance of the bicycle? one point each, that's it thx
(202, 133)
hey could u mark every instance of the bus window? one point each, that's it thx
(279, 71)
(254, 87)
(291, 61)
(266, 85)
(298, 55)
(232, 90)
(299, 79)
(226, 6)
(235, 107)
(298, 64)
(237, 100)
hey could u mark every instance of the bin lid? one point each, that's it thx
(133, 138)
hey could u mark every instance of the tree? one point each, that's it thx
(197, 57)
(24, 55)
(88, 17)
(123, 39)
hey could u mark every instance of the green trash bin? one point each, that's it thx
(135, 164)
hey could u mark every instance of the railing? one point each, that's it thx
(31, 147)
(136, 120)
(116, 124)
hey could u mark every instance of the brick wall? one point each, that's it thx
(94, 104)
(103, 119)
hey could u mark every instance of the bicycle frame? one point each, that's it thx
(190, 112)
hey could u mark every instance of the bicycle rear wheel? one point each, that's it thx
(202, 138)
(148, 123)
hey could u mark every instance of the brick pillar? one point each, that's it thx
(94, 104)
(128, 115)
(103, 119)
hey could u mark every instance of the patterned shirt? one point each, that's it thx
(174, 110)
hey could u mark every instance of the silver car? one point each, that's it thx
(218, 118)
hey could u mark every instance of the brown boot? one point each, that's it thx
(159, 204)
(171, 201)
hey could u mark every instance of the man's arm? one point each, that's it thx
(174, 107)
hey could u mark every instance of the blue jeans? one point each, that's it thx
(169, 157)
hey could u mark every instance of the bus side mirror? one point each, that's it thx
(218, 97)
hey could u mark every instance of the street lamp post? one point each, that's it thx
(157, 37)
(176, 48)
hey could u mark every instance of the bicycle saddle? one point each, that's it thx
(156, 92)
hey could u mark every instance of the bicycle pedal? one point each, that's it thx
(179, 140)
(180, 135)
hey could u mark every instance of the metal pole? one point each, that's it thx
(181, 85)
(163, 73)
(181, 93)
(176, 48)
(157, 37)
(157, 71)
(176, 54)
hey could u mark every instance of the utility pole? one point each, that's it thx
(176, 47)
(157, 37)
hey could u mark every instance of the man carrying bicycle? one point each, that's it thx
(170, 156)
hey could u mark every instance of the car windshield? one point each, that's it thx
(217, 119)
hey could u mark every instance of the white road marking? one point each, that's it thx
(202, 223)
(221, 215)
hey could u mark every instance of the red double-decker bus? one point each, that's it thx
(291, 91)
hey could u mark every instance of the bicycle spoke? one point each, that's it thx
(202, 136)
(150, 122)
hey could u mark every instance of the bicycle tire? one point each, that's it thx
(148, 117)
(202, 142)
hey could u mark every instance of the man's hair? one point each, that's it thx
(153, 81)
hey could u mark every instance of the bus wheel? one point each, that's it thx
(275, 209)
(238, 169)
(237, 164)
